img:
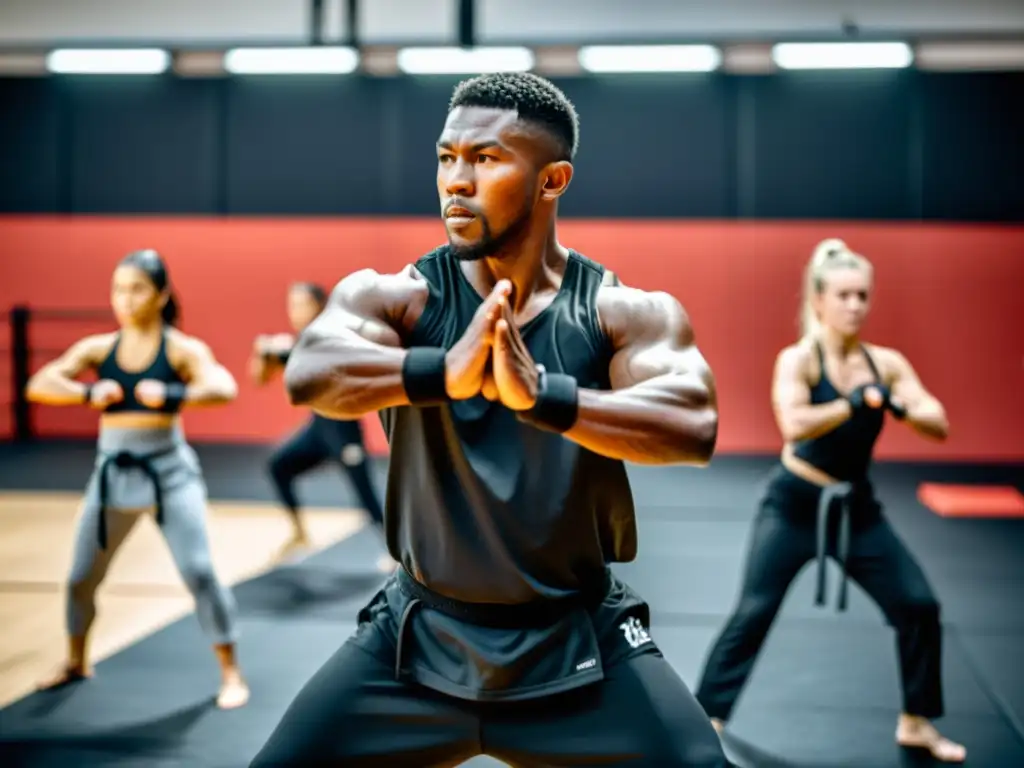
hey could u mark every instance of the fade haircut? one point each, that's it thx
(533, 98)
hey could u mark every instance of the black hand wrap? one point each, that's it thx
(281, 357)
(423, 376)
(557, 406)
(856, 400)
(174, 395)
(898, 411)
(87, 395)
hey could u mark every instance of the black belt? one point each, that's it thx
(840, 492)
(537, 613)
(127, 460)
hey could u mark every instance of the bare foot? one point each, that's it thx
(918, 733)
(386, 564)
(296, 544)
(718, 725)
(301, 537)
(234, 692)
(66, 675)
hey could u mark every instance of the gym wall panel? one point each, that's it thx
(31, 146)
(864, 145)
(973, 146)
(835, 146)
(138, 146)
(303, 145)
(661, 146)
(414, 116)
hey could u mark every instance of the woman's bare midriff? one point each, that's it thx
(139, 420)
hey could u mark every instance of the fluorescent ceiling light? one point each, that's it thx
(842, 55)
(114, 61)
(650, 58)
(464, 61)
(992, 55)
(318, 60)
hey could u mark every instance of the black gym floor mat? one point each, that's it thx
(824, 693)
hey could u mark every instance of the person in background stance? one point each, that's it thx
(831, 393)
(320, 439)
(147, 372)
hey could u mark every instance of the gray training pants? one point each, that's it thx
(130, 489)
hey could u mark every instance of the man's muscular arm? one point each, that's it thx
(662, 408)
(348, 361)
(797, 418)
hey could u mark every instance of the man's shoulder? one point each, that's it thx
(605, 276)
(630, 314)
(369, 279)
(431, 261)
(633, 301)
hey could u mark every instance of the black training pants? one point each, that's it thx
(782, 542)
(321, 440)
(354, 713)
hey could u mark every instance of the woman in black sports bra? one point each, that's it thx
(146, 372)
(831, 393)
(320, 439)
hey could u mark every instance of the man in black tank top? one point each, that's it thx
(512, 386)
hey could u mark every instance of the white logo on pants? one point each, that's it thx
(635, 633)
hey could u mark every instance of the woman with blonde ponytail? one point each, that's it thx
(831, 393)
(829, 253)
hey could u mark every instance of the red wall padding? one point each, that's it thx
(948, 296)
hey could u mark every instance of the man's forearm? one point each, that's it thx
(660, 421)
(343, 379)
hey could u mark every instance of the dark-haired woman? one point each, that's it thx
(146, 372)
(320, 439)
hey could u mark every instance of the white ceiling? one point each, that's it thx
(35, 23)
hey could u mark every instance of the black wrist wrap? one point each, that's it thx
(423, 376)
(557, 406)
(174, 395)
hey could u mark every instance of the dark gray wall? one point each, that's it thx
(850, 145)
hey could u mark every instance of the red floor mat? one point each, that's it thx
(971, 500)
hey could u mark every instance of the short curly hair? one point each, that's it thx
(534, 98)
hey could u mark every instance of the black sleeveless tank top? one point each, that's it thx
(484, 508)
(160, 370)
(845, 452)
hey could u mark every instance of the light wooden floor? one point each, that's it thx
(143, 591)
